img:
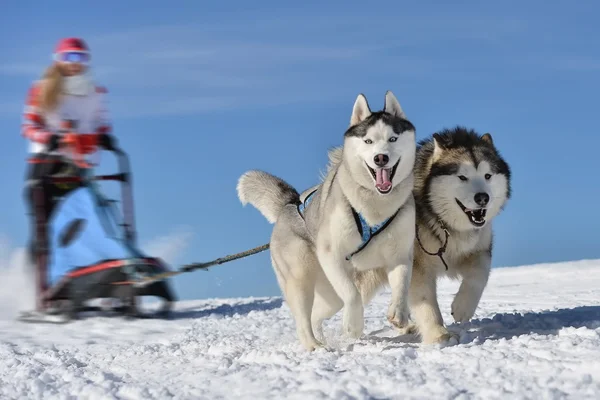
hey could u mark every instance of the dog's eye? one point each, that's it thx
(393, 139)
(488, 176)
(368, 141)
(462, 178)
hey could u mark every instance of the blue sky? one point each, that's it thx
(202, 91)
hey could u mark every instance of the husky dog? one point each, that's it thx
(461, 184)
(361, 216)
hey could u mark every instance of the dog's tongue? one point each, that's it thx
(382, 176)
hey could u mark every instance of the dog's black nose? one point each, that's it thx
(482, 199)
(381, 160)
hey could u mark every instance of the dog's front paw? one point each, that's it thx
(354, 330)
(440, 336)
(354, 323)
(312, 345)
(410, 329)
(398, 316)
(318, 331)
(464, 306)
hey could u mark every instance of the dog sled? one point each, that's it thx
(92, 252)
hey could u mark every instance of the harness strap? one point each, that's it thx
(366, 231)
(302, 205)
(442, 249)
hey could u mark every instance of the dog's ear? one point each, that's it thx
(487, 137)
(391, 105)
(437, 147)
(361, 110)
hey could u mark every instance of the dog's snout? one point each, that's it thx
(381, 160)
(482, 199)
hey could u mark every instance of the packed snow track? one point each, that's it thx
(536, 335)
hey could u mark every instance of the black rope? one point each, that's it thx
(441, 250)
(192, 267)
(219, 261)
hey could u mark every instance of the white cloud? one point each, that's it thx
(258, 61)
(250, 60)
(169, 247)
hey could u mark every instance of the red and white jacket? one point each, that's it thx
(89, 111)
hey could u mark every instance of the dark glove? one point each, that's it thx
(107, 141)
(53, 142)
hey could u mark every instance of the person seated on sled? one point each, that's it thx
(65, 92)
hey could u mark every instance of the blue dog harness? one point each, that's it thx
(366, 231)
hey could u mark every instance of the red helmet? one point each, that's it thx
(71, 45)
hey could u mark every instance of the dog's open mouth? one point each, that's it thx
(477, 217)
(383, 177)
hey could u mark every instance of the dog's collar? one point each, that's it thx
(366, 231)
(442, 249)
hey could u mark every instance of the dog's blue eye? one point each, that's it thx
(393, 139)
(488, 176)
(463, 178)
(368, 141)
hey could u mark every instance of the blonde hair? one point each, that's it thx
(51, 88)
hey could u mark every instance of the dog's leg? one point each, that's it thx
(425, 308)
(399, 278)
(300, 295)
(296, 278)
(337, 271)
(475, 272)
(326, 304)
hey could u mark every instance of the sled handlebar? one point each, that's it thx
(80, 144)
(84, 144)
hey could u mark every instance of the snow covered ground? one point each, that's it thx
(536, 335)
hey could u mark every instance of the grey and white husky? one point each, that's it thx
(461, 184)
(361, 216)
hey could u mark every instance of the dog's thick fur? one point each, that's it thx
(452, 167)
(374, 176)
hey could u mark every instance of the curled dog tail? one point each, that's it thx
(268, 193)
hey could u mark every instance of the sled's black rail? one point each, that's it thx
(121, 177)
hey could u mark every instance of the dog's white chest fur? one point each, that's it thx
(389, 246)
(461, 244)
